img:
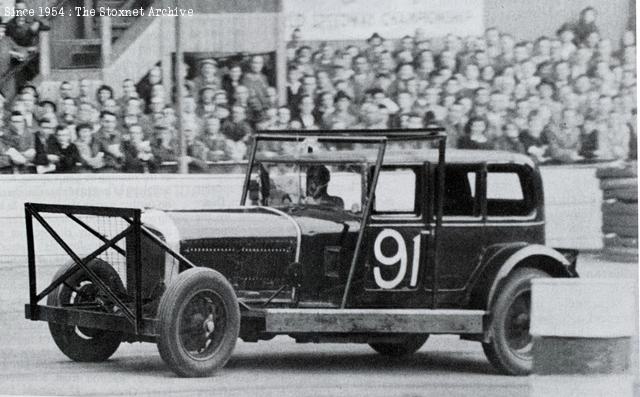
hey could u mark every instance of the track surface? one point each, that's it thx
(31, 364)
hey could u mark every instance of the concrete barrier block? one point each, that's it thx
(582, 308)
(582, 326)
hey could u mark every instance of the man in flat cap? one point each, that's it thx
(208, 76)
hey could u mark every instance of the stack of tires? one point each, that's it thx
(620, 212)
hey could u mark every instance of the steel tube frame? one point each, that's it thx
(86, 260)
(33, 210)
(365, 220)
(96, 234)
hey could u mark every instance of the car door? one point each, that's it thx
(462, 235)
(396, 241)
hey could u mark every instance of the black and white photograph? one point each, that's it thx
(324, 198)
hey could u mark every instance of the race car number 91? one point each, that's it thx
(399, 259)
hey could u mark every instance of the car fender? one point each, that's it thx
(158, 220)
(499, 261)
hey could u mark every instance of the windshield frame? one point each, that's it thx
(381, 138)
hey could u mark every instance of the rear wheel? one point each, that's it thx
(510, 348)
(406, 345)
(199, 323)
(82, 343)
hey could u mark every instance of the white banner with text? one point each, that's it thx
(358, 19)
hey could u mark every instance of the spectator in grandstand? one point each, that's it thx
(128, 92)
(103, 94)
(66, 153)
(165, 147)
(23, 33)
(90, 157)
(197, 152)
(169, 116)
(133, 114)
(237, 128)
(84, 92)
(24, 30)
(284, 119)
(294, 88)
(590, 132)
(294, 44)
(251, 104)
(475, 136)
(6, 152)
(510, 139)
(208, 76)
(138, 157)
(189, 112)
(342, 115)
(154, 77)
(27, 102)
(9, 51)
(273, 101)
(87, 113)
(20, 138)
(46, 109)
(586, 25)
(45, 160)
(325, 109)
(109, 141)
(613, 139)
(565, 138)
(454, 124)
(156, 105)
(362, 79)
(306, 120)
(215, 142)
(269, 119)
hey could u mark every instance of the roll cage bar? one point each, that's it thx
(380, 138)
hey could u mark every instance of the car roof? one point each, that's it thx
(402, 157)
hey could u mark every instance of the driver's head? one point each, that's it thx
(318, 177)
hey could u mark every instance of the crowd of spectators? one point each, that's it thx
(564, 99)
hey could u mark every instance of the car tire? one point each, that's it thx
(199, 323)
(509, 350)
(405, 346)
(81, 343)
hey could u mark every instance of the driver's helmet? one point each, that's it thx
(318, 176)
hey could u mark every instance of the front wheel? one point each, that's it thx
(510, 347)
(81, 343)
(405, 346)
(199, 322)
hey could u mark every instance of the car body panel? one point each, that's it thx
(305, 252)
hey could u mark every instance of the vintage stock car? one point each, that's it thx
(352, 236)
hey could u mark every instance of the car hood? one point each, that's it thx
(248, 222)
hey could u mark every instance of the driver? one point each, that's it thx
(318, 177)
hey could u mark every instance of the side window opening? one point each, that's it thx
(396, 191)
(460, 192)
(506, 195)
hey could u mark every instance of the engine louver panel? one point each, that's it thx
(247, 264)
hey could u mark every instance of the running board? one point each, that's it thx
(439, 321)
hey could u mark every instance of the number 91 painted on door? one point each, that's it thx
(399, 259)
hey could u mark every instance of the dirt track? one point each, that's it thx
(31, 364)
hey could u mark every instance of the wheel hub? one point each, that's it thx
(202, 325)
